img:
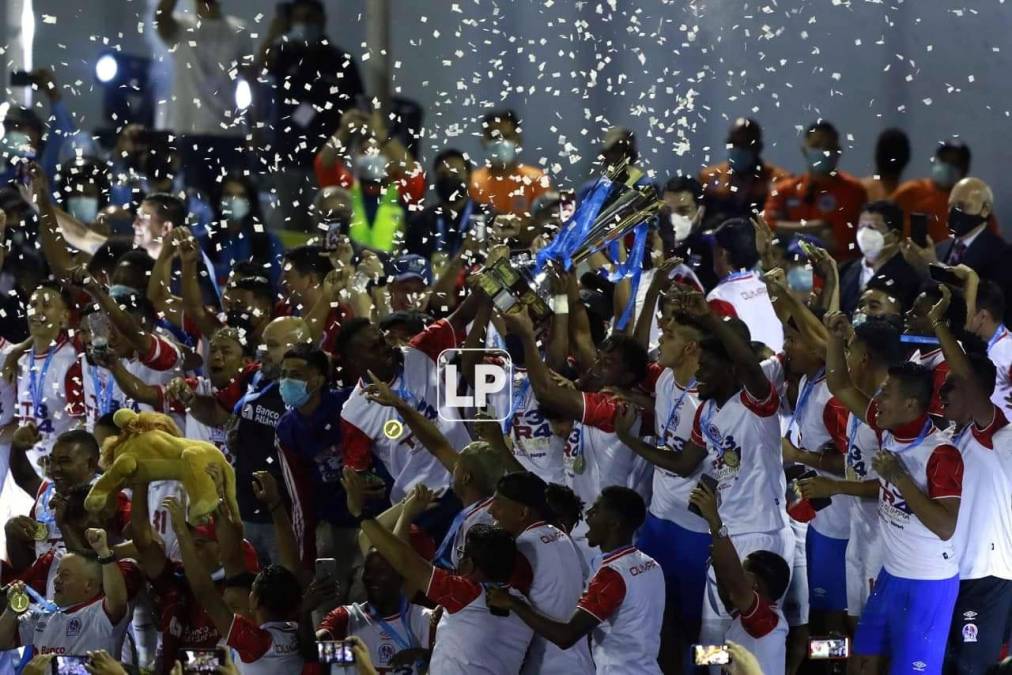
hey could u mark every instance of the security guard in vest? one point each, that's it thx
(377, 215)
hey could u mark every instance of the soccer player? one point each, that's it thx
(623, 607)
(470, 638)
(551, 559)
(920, 473)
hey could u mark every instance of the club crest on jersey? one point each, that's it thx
(386, 652)
(970, 632)
(74, 627)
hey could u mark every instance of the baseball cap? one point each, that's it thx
(411, 266)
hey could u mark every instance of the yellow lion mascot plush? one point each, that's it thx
(150, 447)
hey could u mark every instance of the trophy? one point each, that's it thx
(613, 208)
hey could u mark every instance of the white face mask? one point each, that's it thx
(871, 242)
(682, 225)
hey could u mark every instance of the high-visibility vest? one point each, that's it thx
(389, 220)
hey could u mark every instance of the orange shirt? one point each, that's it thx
(734, 194)
(512, 193)
(837, 200)
(923, 196)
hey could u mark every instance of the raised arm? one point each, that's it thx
(54, 246)
(660, 283)
(937, 514)
(25, 477)
(683, 463)
(726, 564)
(151, 555)
(205, 409)
(9, 619)
(564, 634)
(568, 402)
(191, 303)
(580, 338)
(837, 374)
(825, 266)
(113, 585)
(132, 386)
(980, 405)
(265, 488)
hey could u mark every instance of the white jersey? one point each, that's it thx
(753, 631)
(744, 295)
(469, 638)
(999, 350)
(556, 587)
(911, 550)
(403, 456)
(269, 649)
(593, 456)
(528, 428)
(384, 636)
(864, 549)
(743, 437)
(475, 514)
(626, 595)
(74, 630)
(983, 536)
(682, 274)
(50, 395)
(102, 393)
(161, 521)
(674, 411)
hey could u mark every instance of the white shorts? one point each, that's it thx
(864, 562)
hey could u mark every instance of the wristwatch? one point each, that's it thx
(722, 532)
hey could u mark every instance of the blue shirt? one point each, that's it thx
(235, 249)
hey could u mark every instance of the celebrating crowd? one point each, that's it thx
(769, 422)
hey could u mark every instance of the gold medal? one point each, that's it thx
(41, 532)
(579, 465)
(393, 429)
(17, 601)
(732, 459)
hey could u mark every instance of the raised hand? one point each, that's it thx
(178, 390)
(937, 312)
(175, 511)
(354, 486)
(97, 540)
(691, 302)
(838, 325)
(418, 501)
(26, 436)
(706, 501)
(265, 489)
(816, 487)
(518, 321)
(380, 392)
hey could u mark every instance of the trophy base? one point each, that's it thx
(509, 286)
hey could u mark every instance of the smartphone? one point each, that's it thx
(71, 665)
(796, 473)
(201, 660)
(711, 655)
(829, 648)
(710, 482)
(100, 329)
(326, 568)
(21, 78)
(943, 275)
(919, 228)
(337, 652)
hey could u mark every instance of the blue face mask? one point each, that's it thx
(305, 32)
(501, 152)
(84, 209)
(741, 159)
(294, 393)
(234, 208)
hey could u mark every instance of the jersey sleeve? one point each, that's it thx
(453, 592)
(599, 410)
(765, 407)
(250, 641)
(697, 430)
(437, 338)
(336, 623)
(760, 619)
(722, 307)
(945, 472)
(523, 574)
(834, 417)
(356, 447)
(604, 594)
(161, 354)
(654, 371)
(73, 384)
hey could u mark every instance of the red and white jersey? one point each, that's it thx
(743, 438)
(403, 456)
(269, 649)
(469, 638)
(8, 390)
(161, 521)
(743, 294)
(556, 586)
(763, 631)
(102, 394)
(983, 536)
(862, 444)
(999, 350)
(74, 630)
(674, 410)
(56, 376)
(44, 514)
(819, 426)
(911, 550)
(593, 455)
(935, 360)
(384, 636)
(474, 514)
(626, 595)
(681, 274)
(528, 428)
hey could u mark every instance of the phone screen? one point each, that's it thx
(326, 568)
(943, 275)
(829, 648)
(711, 655)
(338, 652)
(919, 228)
(70, 665)
(201, 660)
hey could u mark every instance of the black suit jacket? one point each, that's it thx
(897, 273)
(989, 256)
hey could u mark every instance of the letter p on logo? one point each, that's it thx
(490, 392)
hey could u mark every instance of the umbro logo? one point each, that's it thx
(919, 666)
(969, 616)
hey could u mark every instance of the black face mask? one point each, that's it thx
(450, 188)
(961, 223)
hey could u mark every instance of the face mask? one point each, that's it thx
(961, 223)
(450, 188)
(871, 242)
(858, 318)
(741, 159)
(800, 279)
(501, 153)
(944, 174)
(294, 393)
(234, 208)
(682, 225)
(304, 32)
(371, 168)
(820, 162)
(82, 208)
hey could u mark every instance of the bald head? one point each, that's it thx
(78, 579)
(280, 335)
(483, 468)
(972, 196)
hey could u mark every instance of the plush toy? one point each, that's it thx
(150, 447)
